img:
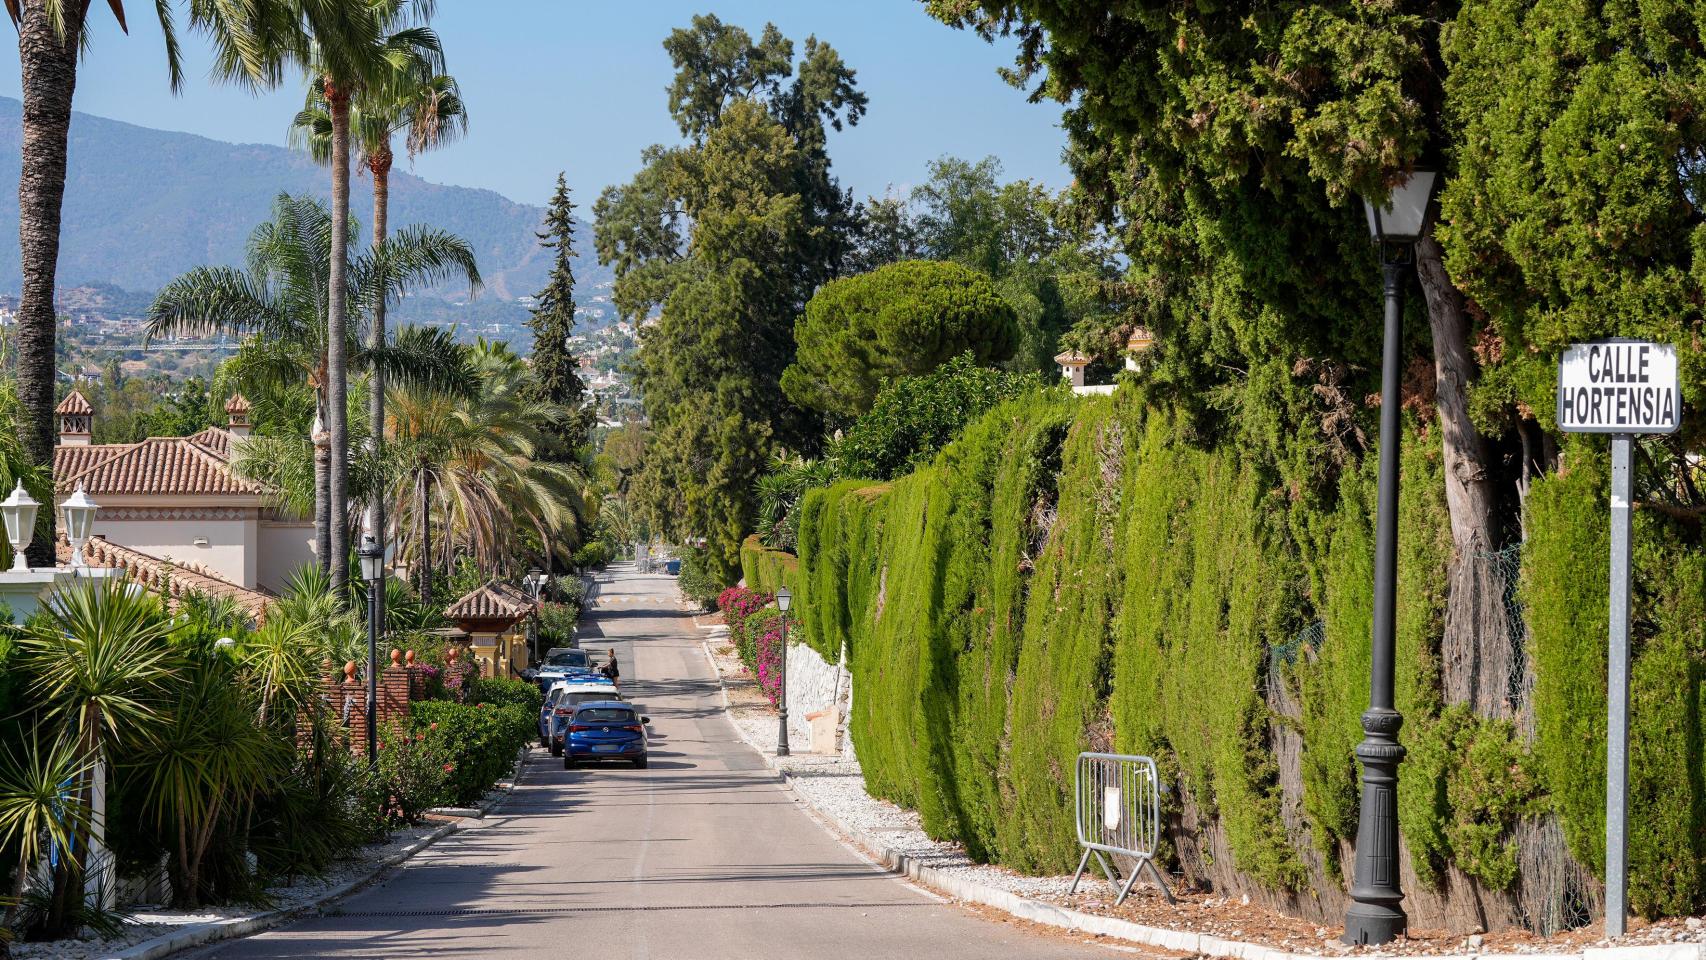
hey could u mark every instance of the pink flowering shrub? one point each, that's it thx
(738, 603)
(768, 654)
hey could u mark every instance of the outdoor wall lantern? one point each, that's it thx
(79, 513)
(1376, 914)
(19, 512)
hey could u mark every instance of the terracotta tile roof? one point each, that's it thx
(495, 600)
(74, 403)
(1072, 358)
(237, 404)
(171, 580)
(158, 465)
(69, 459)
(215, 440)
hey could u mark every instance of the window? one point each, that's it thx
(604, 715)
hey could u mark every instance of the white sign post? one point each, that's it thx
(1620, 387)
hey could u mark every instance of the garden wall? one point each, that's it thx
(1075, 574)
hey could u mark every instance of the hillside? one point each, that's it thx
(142, 206)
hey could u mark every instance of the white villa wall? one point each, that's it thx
(814, 684)
(285, 547)
(228, 554)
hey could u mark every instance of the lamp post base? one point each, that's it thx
(1376, 915)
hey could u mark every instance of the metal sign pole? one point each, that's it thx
(1617, 692)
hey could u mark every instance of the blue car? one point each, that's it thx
(560, 703)
(605, 730)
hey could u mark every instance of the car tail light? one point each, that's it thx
(565, 712)
(634, 727)
(578, 728)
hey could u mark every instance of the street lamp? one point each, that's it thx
(1376, 914)
(373, 571)
(19, 513)
(79, 513)
(784, 600)
(535, 581)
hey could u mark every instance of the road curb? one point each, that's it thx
(1183, 941)
(231, 928)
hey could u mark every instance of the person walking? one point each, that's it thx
(611, 670)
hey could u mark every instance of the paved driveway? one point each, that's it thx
(703, 856)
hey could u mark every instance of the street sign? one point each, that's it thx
(1621, 387)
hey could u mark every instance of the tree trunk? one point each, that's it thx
(426, 538)
(1476, 652)
(49, 64)
(337, 343)
(380, 165)
(322, 491)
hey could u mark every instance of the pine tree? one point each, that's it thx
(556, 378)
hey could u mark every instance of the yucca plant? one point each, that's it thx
(34, 809)
(96, 661)
(201, 770)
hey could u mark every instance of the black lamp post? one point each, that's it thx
(373, 571)
(535, 586)
(1376, 914)
(784, 600)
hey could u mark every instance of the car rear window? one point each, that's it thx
(569, 658)
(604, 715)
(576, 699)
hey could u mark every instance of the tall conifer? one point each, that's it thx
(556, 378)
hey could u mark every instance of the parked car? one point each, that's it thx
(560, 662)
(560, 706)
(605, 730)
(673, 568)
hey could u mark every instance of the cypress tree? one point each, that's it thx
(555, 375)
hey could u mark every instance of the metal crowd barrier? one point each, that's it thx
(1117, 803)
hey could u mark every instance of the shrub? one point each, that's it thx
(503, 691)
(414, 771)
(480, 742)
(591, 556)
(701, 580)
(914, 417)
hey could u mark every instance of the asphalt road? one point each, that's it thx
(702, 856)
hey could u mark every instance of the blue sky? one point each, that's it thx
(579, 86)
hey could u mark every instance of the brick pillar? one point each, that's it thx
(350, 705)
(394, 684)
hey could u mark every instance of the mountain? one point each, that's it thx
(142, 206)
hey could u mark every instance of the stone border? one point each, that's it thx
(200, 934)
(1183, 941)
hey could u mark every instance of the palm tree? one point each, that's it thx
(429, 106)
(97, 660)
(50, 37)
(468, 463)
(351, 47)
(281, 299)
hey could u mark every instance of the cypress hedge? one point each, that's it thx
(1077, 574)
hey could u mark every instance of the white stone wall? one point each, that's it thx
(813, 684)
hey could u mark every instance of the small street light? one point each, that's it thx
(373, 571)
(79, 513)
(784, 600)
(1376, 914)
(19, 512)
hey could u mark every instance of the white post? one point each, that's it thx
(1617, 693)
(100, 877)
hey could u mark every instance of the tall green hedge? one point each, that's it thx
(765, 569)
(1079, 573)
